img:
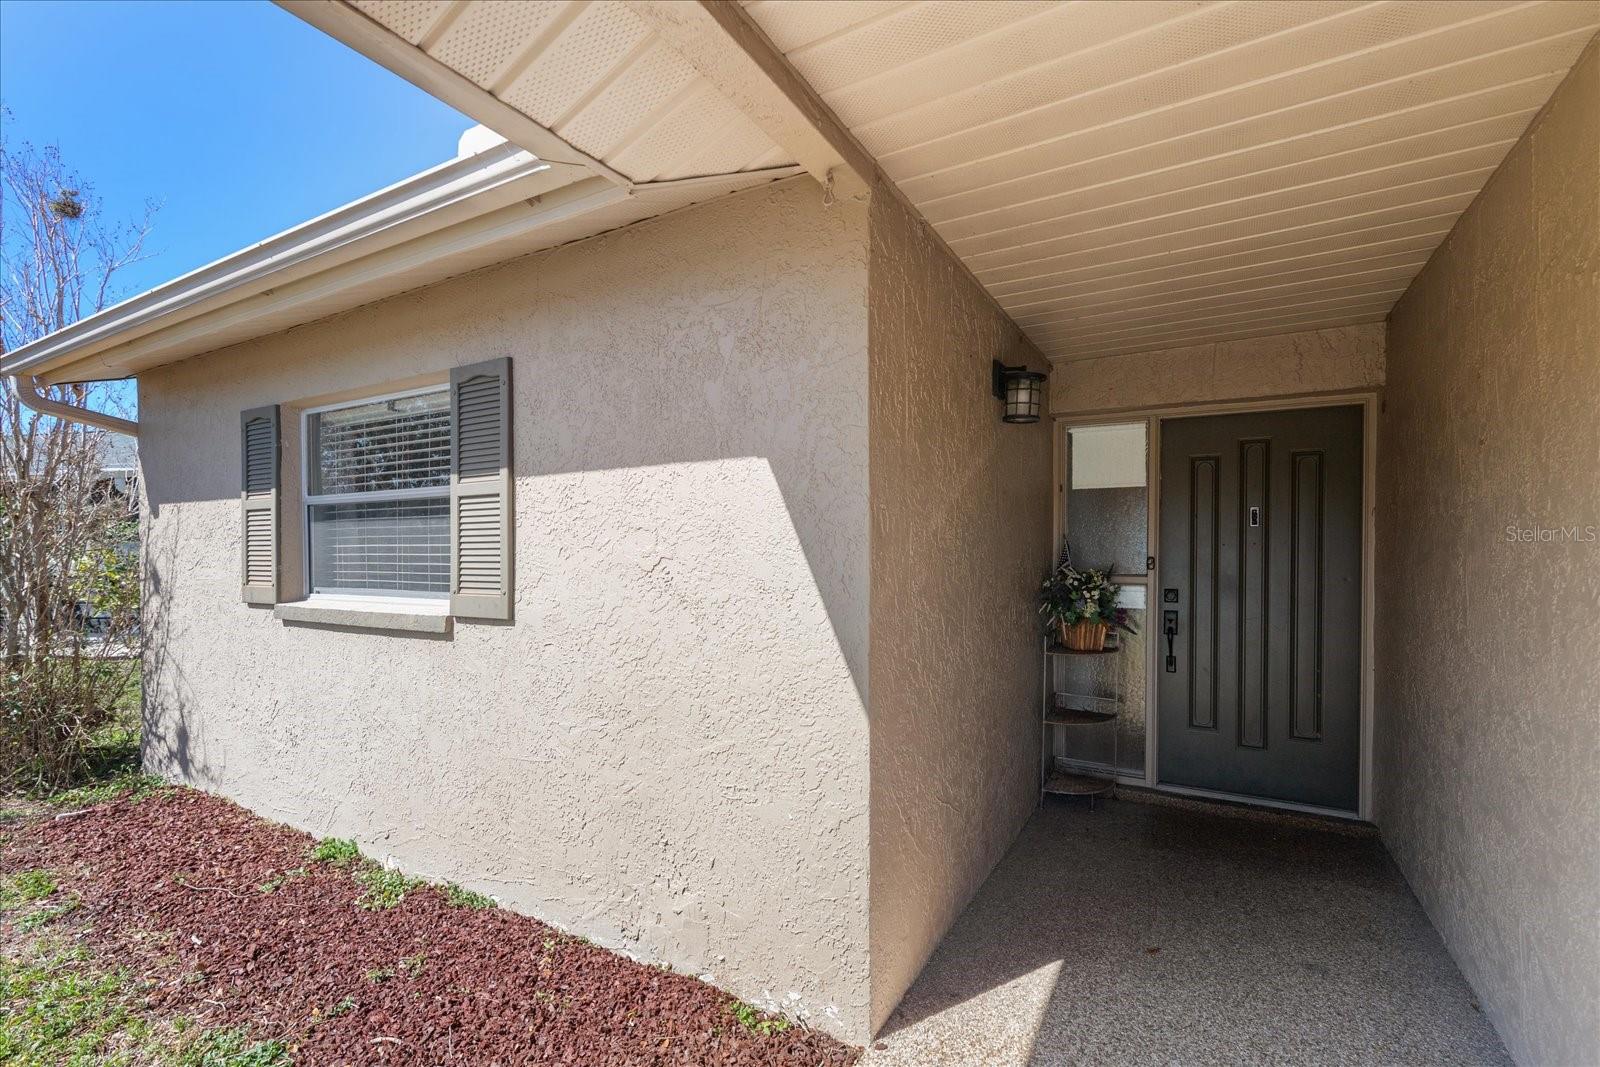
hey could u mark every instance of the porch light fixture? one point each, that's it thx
(1021, 389)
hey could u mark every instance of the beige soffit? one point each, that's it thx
(1134, 176)
(605, 84)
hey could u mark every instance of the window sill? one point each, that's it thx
(369, 613)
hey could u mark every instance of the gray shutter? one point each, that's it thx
(480, 490)
(258, 498)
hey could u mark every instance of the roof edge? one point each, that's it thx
(435, 197)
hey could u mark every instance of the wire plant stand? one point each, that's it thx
(1062, 710)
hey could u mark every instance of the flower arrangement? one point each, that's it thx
(1080, 605)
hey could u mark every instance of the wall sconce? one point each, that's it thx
(1021, 389)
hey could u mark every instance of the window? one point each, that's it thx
(1107, 509)
(1106, 521)
(377, 495)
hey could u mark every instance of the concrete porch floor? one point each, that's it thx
(1144, 933)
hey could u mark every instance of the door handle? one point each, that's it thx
(1169, 627)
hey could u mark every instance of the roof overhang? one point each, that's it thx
(434, 201)
(460, 216)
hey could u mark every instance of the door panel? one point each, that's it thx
(1261, 544)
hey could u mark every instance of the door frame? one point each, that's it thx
(1153, 417)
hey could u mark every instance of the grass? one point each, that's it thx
(22, 892)
(60, 1010)
(45, 916)
(232, 1047)
(26, 886)
(132, 784)
(57, 1007)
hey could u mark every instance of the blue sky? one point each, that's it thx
(237, 117)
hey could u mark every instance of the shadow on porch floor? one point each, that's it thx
(1145, 933)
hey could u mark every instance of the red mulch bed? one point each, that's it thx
(482, 986)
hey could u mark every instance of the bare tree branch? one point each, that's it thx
(69, 584)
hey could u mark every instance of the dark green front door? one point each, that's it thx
(1260, 578)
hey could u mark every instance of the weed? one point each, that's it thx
(344, 1007)
(413, 965)
(335, 850)
(279, 879)
(380, 975)
(232, 1047)
(757, 1021)
(384, 888)
(466, 898)
(10, 816)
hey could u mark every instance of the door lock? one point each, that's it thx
(1169, 628)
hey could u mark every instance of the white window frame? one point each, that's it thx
(308, 499)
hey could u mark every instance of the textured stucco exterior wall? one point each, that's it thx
(1488, 678)
(667, 751)
(960, 539)
(1339, 359)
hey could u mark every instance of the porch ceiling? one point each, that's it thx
(1125, 177)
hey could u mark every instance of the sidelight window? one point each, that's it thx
(1105, 520)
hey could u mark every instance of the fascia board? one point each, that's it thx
(432, 257)
(437, 198)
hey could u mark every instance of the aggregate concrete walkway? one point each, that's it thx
(1145, 933)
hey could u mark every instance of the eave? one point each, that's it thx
(461, 216)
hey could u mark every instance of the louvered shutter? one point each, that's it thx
(258, 498)
(480, 491)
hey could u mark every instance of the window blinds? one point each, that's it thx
(379, 496)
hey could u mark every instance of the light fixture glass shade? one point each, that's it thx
(1024, 396)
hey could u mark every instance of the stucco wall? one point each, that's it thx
(960, 538)
(1340, 359)
(1488, 683)
(667, 751)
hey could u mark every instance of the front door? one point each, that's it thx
(1259, 619)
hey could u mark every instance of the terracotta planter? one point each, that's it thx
(1083, 636)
